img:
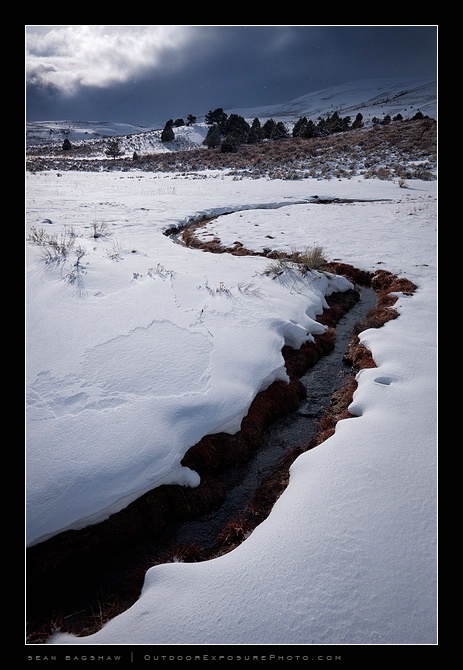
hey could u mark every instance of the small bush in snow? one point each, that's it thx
(160, 271)
(56, 249)
(311, 258)
(99, 229)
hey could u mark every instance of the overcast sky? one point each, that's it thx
(149, 74)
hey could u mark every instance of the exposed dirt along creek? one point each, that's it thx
(78, 580)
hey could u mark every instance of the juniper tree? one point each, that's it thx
(267, 128)
(113, 149)
(358, 122)
(217, 116)
(255, 133)
(213, 137)
(237, 128)
(279, 131)
(299, 127)
(167, 134)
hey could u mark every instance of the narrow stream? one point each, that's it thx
(293, 430)
(114, 578)
(118, 576)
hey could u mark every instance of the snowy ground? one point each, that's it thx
(137, 347)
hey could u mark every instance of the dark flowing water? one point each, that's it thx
(82, 594)
(293, 430)
(98, 589)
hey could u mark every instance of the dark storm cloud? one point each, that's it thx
(148, 74)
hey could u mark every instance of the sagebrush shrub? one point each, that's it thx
(311, 258)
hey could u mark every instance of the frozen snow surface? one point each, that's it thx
(137, 347)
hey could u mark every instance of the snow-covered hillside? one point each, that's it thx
(52, 132)
(370, 97)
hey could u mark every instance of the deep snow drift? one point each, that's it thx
(137, 347)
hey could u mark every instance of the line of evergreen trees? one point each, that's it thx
(230, 131)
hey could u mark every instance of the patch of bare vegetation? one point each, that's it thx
(399, 150)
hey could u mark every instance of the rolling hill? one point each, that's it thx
(369, 97)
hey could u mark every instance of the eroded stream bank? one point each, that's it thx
(79, 579)
(248, 497)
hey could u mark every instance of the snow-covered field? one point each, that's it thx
(137, 347)
(148, 346)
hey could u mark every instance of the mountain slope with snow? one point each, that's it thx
(369, 97)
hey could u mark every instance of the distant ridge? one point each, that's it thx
(369, 97)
